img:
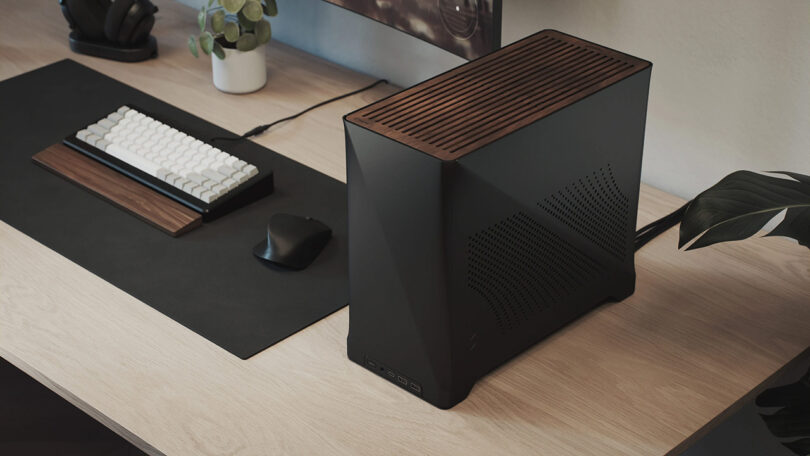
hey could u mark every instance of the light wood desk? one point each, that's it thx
(646, 376)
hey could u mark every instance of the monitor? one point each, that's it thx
(468, 28)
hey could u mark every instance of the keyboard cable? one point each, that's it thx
(654, 229)
(262, 128)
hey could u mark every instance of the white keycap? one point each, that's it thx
(226, 170)
(82, 134)
(239, 177)
(250, 170)
(213, 175)
(230, 183)
(135, 160)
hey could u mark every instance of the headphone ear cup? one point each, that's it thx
(115, 16)
(139, 12)
(68, 17)
(87, 16)
(142, 29)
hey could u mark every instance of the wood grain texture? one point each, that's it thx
(477, 103)
(139, 200)
(643, 376)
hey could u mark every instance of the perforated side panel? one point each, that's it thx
(521, 268)
(596, 208)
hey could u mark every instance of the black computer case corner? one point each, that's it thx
(490, 206)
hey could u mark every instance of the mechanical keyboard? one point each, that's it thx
(182, 167)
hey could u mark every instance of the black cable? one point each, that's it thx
(262, 128)
(652, 230)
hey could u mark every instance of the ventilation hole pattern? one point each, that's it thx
(521, 269)
(596, 208)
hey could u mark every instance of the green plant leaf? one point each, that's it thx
(270, 8)
(192, 46)
(247, 42)
(218, 51)
(218, 21)
(740, 204)
(231, 32)
(206, 42)
(210, 2)
(253, 10)
(232, 6)
(201, 19)
(263, 32)
(246, 23)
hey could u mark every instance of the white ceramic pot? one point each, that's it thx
(240, 72)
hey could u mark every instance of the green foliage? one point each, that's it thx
(245, 23)
(219, 51)
(206, 42)
(740, 204)
(246, 42)
(231, 32)
(233, 23)
(253, 11)
(218, 21)
(263, 32)
(270, 8)
(192, 46)
(232, 6)
(201, 19)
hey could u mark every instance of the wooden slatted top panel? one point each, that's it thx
(475, 104)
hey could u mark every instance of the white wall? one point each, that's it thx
(731, 78)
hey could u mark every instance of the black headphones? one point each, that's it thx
(122, 22)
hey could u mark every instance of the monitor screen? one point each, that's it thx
(469, 28)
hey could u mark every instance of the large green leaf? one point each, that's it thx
(796, 225)
(740, 204)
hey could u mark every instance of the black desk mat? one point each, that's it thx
(206, 280)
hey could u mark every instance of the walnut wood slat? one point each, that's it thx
(475, 104)
(158, 210)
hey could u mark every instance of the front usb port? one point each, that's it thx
(415, 388)
(402, 380)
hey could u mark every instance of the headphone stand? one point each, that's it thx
(107, 50)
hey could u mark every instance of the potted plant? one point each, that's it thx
(235, 42)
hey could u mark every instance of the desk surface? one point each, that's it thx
(645, 376)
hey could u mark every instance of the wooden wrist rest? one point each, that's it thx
(139, 200)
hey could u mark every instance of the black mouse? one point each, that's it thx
(293, 241)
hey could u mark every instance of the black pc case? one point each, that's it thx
(489, 206)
